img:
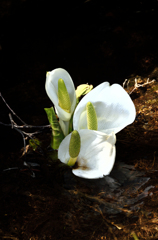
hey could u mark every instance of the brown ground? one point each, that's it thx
(119, 43)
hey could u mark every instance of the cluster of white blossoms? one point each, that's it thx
(85, 133)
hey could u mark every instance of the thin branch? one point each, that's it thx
(24, 141)
(126, 81)
(12, 124)
(25, 124)
(30, 136)
(31, 126)
(11, 120)
(136, 85)
(5, 124)
(11, 109)
(15, 126)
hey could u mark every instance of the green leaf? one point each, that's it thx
(34, 143)
(57, 133)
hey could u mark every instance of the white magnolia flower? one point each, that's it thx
(60, 89)
(96, 156)
(113, 107)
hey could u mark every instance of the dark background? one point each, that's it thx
(94, 41)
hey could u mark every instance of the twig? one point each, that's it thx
(24, 141)
(16, 127)
(11, 109)
(12, 124)
(23, 133)
(26, 126)
(107, 223)
(12, 121)
(126, 80)
(5, 124)
(136, 85)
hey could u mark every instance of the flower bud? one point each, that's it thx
(83, 89)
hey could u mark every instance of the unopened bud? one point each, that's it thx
(83, 89)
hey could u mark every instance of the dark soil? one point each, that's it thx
(109, 42)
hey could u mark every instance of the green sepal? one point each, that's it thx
(92, 122)
(63, 96)
(57, 133)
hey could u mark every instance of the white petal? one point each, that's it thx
(63, 150)
(97, 154)
(114, 108)
(52, 91)
(87, 173)
(64, 126)
(80, 116)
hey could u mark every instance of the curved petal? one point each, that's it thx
(64, 126)
(52, 91)
(114, 108)
(96, 157)
(63, 150)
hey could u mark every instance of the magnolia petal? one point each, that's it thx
(52, 91)
(114, 108)
(97, 154)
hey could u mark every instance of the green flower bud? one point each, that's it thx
(92, 122)
(63, 96)
(83, 89)
(74, 147)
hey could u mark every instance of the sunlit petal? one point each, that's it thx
(114, 108)
(96, 157)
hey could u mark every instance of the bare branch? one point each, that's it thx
(14, 125)
(136, 85)
(11, 109)
(126, 82)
